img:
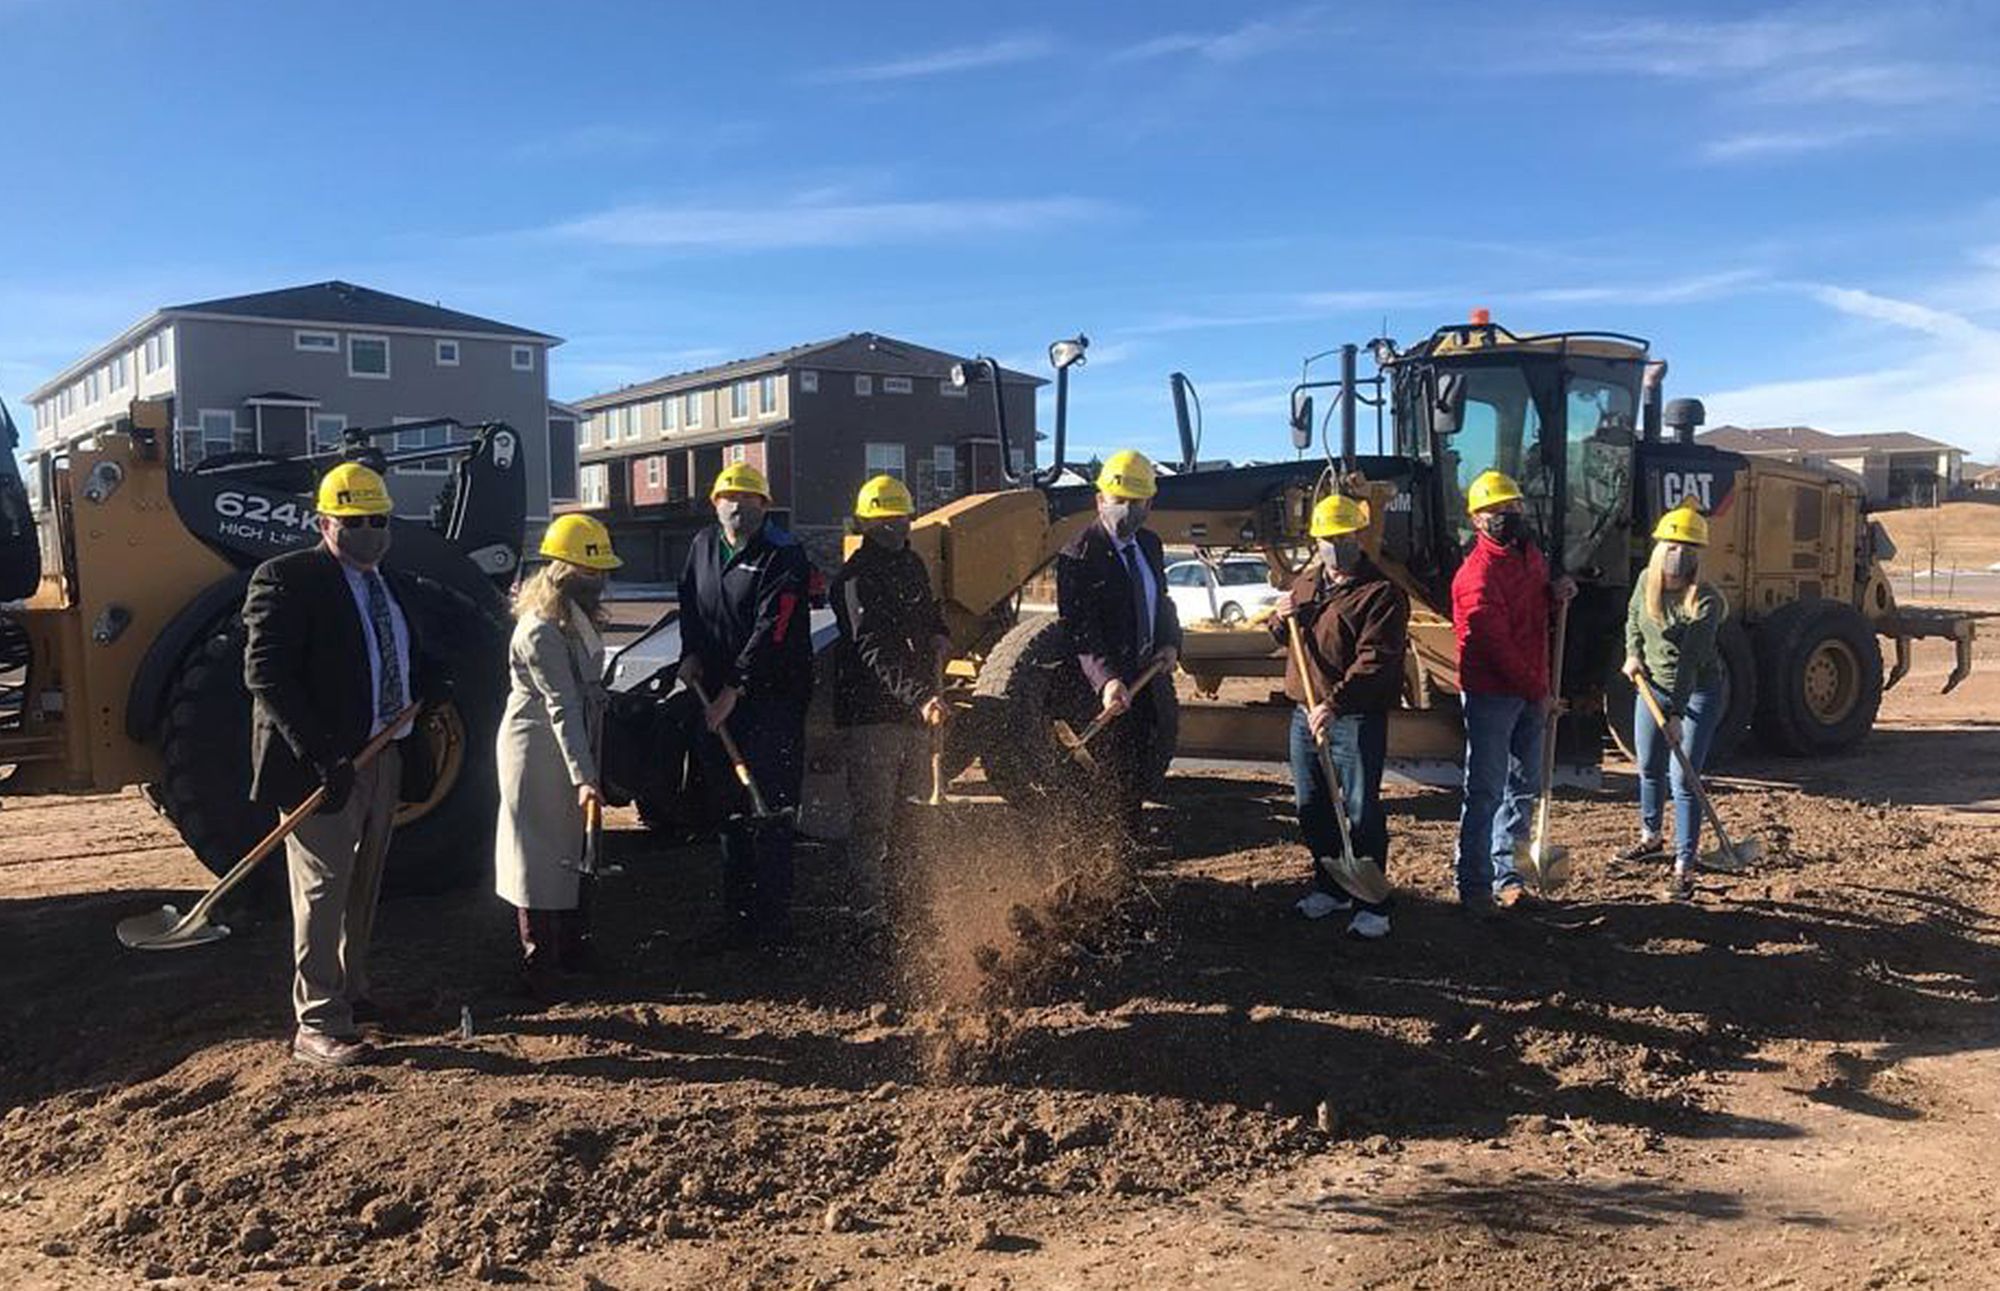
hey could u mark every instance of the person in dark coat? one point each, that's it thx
(887, 676)
(746, 642)
(333, 659)
(1111, 595)
(1354, 627)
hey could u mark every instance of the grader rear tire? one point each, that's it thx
(1822, 677)
(1030, 680)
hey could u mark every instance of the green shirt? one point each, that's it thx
(1679, 654)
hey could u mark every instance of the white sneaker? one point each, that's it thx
(1318, 905)
(1368, 925)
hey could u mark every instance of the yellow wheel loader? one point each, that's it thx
(121, 652)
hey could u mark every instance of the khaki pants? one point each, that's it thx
(884, 762)
(334, 862)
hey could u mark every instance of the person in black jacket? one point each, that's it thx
(746, 641)
(332, 659)
(1111, 594)
(887, 670)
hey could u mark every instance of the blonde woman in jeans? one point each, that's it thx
(1671, 629)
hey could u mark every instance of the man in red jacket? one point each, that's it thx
(1501, 607)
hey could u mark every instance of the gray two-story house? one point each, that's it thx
(817, 419)
(284, 372)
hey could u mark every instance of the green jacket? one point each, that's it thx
(1680, 654)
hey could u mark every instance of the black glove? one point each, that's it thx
(338, 777)
(433, 687)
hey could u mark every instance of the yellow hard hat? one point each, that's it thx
(580, 540)
(883, 498)
(351, 489)
(1491, 489)
(1127, 474)
(741, 477)
(1338, 514)
(1684, 524)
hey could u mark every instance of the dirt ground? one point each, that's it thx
(1793, 1082)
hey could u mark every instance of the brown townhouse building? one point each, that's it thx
(817, 419)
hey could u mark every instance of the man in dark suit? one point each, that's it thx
(1111, 594)
(331, 661)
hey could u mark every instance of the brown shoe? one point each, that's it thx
(329, 1051)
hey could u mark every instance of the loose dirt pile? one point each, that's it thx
(1113, 1047)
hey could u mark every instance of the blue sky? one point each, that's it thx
(1799, 204)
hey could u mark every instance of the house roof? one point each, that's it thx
(1807, 439)
(344, 304)
(854, 352)
(332, 304)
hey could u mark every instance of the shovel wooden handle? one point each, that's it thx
(735, 757)
(1102, 720)
(1549, 726)
(1325, 754)
(289, 822)
(937, 748)
(1644, 685)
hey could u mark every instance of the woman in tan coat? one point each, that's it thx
(547, 747)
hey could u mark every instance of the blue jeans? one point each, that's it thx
(1658, 767)
(1359, 743)
(1503, 773)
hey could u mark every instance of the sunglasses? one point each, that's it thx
(373, 522)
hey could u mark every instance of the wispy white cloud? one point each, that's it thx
(824, 223)
(1730, 48)
(960, 58)
(1261, 36)
(1946, 388)
(1757, 145)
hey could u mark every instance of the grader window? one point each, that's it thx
(1500, 430)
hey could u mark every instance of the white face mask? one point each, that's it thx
(1680, 562)
(1123, 517)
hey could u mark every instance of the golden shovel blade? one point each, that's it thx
(1360, 876)
(1547, 864)
(1067, 737)
(1734, 860)
(163, 930)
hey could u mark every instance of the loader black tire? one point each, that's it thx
(1030, 680)
(1820, 670)
(1740, 687)
(440, 844)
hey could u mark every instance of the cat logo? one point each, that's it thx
(1677, 486)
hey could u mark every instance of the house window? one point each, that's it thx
(368, 356)
(886, 459)
(149, 355)
(864, 384)
(895, 385)
(119, 371)
(327, 427)
(739, 400)
(808, 381)
(524, 358)
(735, 454)
(592, 481)
(944, 469)
(447, 354)
(652, 472)
(691, 410)
(586, 433)
(948, 390)
(767, 396)
(628, 417)
(562, 459)
(219, 434)
(423, 437)
(316, 342)
(90, 388)
(670, 413)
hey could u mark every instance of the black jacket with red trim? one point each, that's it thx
(747, 618)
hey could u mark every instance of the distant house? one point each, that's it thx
(817, 419)
(1894, 469)
(1982, 478)
(284, 372)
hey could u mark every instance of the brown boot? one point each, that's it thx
(329, 1051)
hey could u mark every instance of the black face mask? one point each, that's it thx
(893, 535)
(1341, 555)
(739, 517)
(1508, 528)
(363, 545)
(586, 591)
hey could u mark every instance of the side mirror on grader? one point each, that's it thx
(1302, 420)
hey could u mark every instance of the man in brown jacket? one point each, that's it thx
(1355, 627)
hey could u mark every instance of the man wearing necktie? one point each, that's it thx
(332, 659)
(1111, 596)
